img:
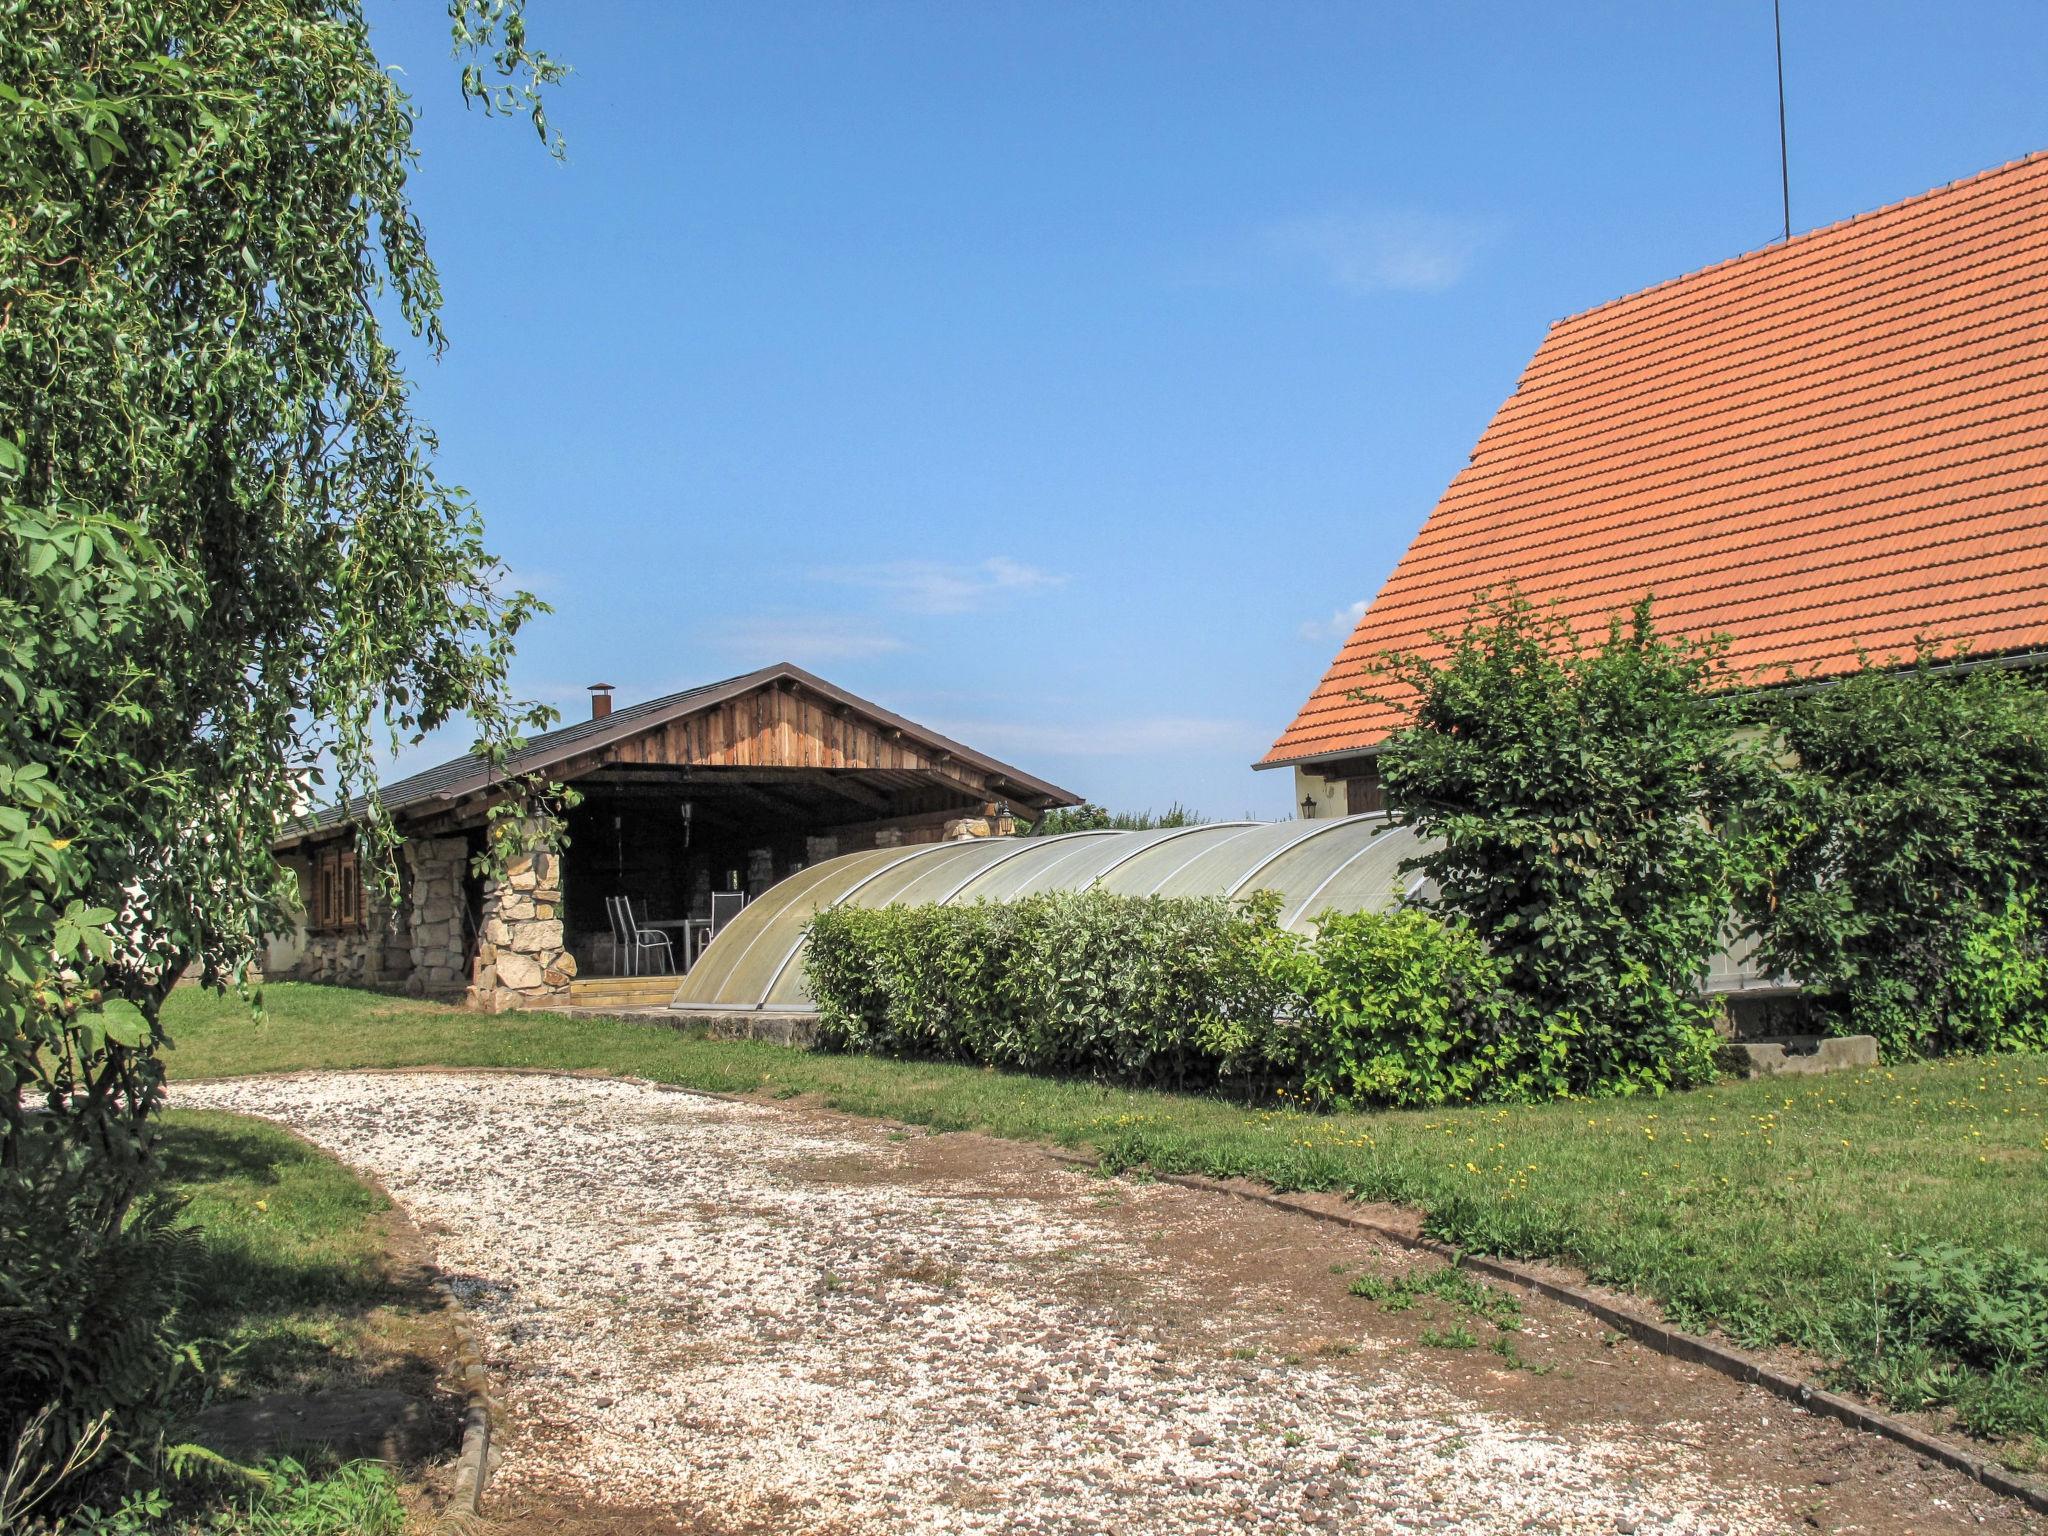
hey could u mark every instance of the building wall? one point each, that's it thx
(520, 959)
(1339, 788)
(373, 953)
(437, 916)
(790, 728)
(282, 952)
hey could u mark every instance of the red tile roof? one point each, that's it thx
(1836, 442)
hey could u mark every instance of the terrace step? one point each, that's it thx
(622, 991)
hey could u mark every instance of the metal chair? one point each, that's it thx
(725, 906)
(641, 940)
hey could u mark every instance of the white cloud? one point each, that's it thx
(1118, 738)
(1385, 250)
(1337, 626)
(805, 639)
(934, 586)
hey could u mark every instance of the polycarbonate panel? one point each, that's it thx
(1045, 868)
(1347, 865)
(1292, 867)
(1141, 871)
(935, 878)
(1297, 872)
(914, 876)
(1371, 881)
(785, 908)
(1223, 862)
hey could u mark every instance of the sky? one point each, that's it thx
(1066, 376)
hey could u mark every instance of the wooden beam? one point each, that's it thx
(640, 773)
(774, 802)
(920, 819)
(839, 782)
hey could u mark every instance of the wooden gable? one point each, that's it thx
(782, 725)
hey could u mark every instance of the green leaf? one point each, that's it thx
(123, 1022)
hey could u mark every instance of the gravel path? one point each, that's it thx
(766, 1319)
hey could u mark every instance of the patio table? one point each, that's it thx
(696, 933)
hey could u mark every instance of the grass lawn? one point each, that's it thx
(1769, 1209)
(289, 1286)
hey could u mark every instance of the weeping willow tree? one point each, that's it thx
(226, 555)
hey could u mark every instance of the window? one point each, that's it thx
(337, 889)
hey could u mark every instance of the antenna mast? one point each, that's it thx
(1784, 162)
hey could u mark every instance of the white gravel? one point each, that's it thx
(730, 1309)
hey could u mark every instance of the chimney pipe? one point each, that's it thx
(600, 700)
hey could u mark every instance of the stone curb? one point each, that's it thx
(474, 1463)
(1652, 1335)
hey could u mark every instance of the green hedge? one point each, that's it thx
(1132, 988)
(1377, 1008)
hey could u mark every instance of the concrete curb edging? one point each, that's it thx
(1652, 1335)
(474, 1462)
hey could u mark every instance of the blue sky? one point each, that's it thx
(1060, 375)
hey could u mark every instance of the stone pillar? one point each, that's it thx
(993, 821)
(818, 849)
(436, 923)
(521, 962)
(384, 947)
(760, 870)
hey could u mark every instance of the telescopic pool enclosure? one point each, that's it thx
(1348, 865)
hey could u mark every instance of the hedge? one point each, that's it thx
(1137, 989)
(1376, 1008)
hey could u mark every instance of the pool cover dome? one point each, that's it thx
(1351, 864)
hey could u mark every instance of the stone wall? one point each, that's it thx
(371, 955)
(521, 961)
(437, 919)
(990, 821)
(965, 829)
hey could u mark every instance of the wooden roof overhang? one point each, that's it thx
(782, 736)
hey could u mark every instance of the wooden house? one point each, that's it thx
(726, 788)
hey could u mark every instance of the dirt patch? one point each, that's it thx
(748, 1318)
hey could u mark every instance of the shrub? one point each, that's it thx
(1906, 841)
(1392, 1008)
(1091, 817)
(1378, 1008)
(1986, 1307)
(1998, 993)
(280, 1498)
(1576, 797)
(1137, 989)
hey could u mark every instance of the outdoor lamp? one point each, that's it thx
(1308, 807)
